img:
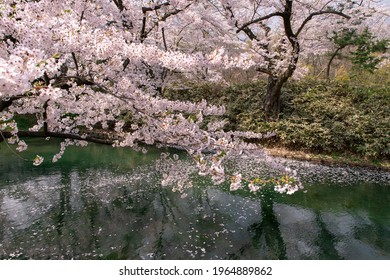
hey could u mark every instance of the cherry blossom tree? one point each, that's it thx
(94, 70)
(279, 32)
(82, 67)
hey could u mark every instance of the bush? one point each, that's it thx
(316, 116)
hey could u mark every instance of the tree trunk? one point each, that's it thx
(330, 62)
(271, 105)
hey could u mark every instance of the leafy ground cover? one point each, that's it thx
(339, 119)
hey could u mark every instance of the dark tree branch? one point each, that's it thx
(46, 78)
(145, 10)
(59, 81)
(12, 39)
(276, 14)
(310, 17)
(155, 8)
(229, 9)
(125, 63)
(75, 63)
(251, 35)
(264, 70)
(45, 126)
(175, 12)
(331, 60)
(286, 16)
(119, 4)
(143, 28)
(126, 24)
(164, 39)
(4, 104)
(82, 16)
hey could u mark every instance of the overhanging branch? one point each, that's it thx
(155, 8)
(119, 4)
(242, 28)
(145, 10)
(42, 134)
(310, 17)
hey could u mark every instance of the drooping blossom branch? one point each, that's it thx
(84, 66)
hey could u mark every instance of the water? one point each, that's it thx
(104, 203)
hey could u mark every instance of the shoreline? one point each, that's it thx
(336, 160)
(327, 159)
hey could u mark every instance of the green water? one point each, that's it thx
(104, 203)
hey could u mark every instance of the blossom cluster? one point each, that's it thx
(84, 66)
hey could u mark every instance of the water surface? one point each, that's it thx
(104, 203)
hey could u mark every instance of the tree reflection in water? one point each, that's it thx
(266, 234)
(79, 209)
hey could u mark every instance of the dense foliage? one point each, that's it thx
(317, 116)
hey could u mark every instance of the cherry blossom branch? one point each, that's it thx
(75, 63)
(312, 15)
(42, 134)
(3, 137)
(163, 18)
(174, 12)
(119, 4)
(117, 69)
(245, 25)
(4, 104)
(145, 10)
(251, 35)
(155, 8)
(164, 39)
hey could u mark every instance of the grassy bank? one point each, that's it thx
(341, 121)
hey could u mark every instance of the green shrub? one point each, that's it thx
(317, 116)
